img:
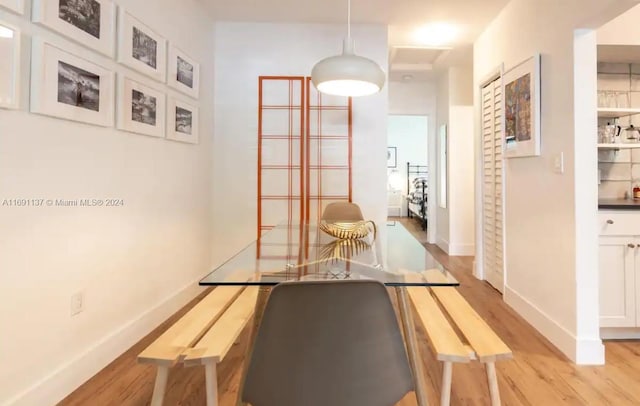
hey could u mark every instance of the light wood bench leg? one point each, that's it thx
(494, 390)
(445, 395)
(211, 383)
(160, 386)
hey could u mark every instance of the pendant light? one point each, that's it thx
(348, 74)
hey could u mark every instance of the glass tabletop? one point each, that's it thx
(294, 252)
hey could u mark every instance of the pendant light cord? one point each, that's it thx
(348, 18)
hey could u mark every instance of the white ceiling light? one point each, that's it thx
(436, 34)
(6, 32)
(348, 74)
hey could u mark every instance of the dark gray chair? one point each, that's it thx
(328, 343)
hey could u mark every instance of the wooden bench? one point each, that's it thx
(458, 334)
(203, 336)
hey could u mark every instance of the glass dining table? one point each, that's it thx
(299, 252)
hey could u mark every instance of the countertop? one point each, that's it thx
(619, 204)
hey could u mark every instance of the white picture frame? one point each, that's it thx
(189, 130)
(183, 72)
(140, 48)
(69, 87)
(10, 56)
(141, 108)
(521, 106)
(17, 6)
(93, 25)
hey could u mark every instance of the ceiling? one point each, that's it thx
(402, 16)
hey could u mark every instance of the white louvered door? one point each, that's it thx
(492, 185)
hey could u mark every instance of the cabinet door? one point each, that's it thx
(617, 282)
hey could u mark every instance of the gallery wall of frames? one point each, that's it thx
(67, 86)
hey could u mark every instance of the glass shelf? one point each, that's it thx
(619, 146)
(615, 112)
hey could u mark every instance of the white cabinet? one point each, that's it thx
(619, 267)
(618, 281)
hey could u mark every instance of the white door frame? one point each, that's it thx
(479, 271)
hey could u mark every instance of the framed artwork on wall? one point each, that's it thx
(89, 22)
(182, 123)
(184, 72)
(9, 66)
(140, 48)
(392, 157)
(521, 106)
(66, 86)
(443, 165)
(17, 6)
(141, 108)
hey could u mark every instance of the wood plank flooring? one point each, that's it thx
(538, 375)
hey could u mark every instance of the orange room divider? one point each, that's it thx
(304, 151)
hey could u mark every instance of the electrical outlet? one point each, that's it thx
(558, 163)
(77, 303)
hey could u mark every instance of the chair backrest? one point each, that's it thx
(328, 343)
(342, 211)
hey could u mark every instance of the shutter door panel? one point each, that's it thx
(492, 181)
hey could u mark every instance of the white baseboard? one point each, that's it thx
(466, 250)
(443, 244)
(583, 351)
(65, 379)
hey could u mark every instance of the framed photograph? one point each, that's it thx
(66, 86)
(182, 123)
(9, 66)
(184, 72)
(140, 48)
(17, 6)
(521, 106)
(90, 22)
(141, 108)
(443, 165)
(392, 157)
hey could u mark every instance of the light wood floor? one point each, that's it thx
(538, 375)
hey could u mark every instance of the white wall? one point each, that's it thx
(551, 246)
(135, 264)
(245, 51)
(419, 98)
(456, 221)
(442, 118)
(622, 30)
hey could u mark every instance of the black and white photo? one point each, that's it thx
(144, 48)
(140, 47)
(67, 86)
(91, 23)
(143, 108)
(184, 120)
(78, 87)
(185, 72)
(83, 14)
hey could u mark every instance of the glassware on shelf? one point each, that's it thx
(611, 99)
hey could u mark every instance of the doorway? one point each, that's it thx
(408, 168)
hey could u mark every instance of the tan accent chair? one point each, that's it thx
(342, 211)
(326, 343)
